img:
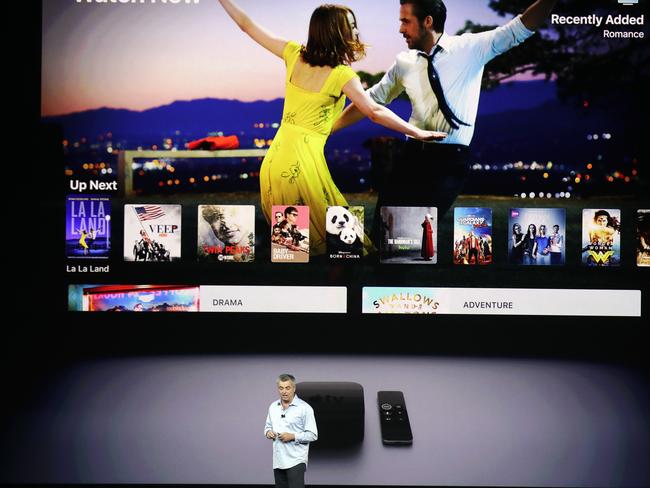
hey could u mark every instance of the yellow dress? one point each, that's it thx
(82, 241)
(294, 171)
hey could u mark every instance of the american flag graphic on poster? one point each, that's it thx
(149, 212)
(152, 232)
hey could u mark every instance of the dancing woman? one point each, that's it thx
(318, 79)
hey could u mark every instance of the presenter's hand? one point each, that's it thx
(270, 434)
(286, 437)
(430, 135)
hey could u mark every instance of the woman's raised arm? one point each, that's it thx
(256, 32)
(384, 116)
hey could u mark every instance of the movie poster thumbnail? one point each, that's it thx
(226, 233)
(399, 300)
(133, 298)
(290, 234)
(643, 237)
(344, 232)
(472, 235)
(537, 236)
(409, 235)
(88, 226)
(152, 233)
(601, 237)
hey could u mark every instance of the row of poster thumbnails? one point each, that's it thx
(226, 233)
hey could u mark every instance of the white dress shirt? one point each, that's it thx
(460, 68)
(298, 420)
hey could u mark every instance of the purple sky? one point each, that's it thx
(139, 56)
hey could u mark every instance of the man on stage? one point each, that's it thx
(291, 425)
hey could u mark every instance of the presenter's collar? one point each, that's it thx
(292, 402)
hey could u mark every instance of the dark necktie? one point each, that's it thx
(434, 80)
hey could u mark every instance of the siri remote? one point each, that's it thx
(394, 418)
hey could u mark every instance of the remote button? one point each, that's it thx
(386, 406)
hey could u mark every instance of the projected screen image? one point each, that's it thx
(203, 142)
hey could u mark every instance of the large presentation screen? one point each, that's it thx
(508, 178)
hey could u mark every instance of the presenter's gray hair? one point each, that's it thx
(286, 377)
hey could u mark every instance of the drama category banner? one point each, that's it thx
(207, 298)
(274, 299)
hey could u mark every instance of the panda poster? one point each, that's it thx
(344, 232)
(409, 235)
(290, 234)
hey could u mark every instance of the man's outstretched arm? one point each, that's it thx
(535, 16)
